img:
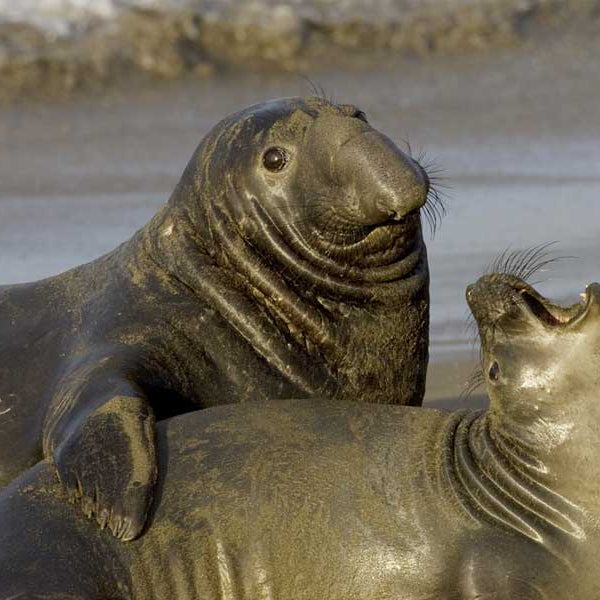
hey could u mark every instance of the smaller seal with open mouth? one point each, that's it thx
(539, 359)
(318, 499)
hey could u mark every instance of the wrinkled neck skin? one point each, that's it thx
(562, 436)
(337, 300)
(547, 491)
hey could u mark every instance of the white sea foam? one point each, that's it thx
(64, 17)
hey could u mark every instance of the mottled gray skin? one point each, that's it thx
(250, 283)
(320, 499)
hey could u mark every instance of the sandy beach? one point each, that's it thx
(516, 132)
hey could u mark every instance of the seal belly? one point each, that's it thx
(47, 550)
(280, 492)
(198, 565)
(291, 500)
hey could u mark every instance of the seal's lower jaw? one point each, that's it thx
(375, 232)
(389, 243)
(372, 255)
(405, 227)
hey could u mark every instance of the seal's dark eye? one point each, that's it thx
(359, 114)
(494, 371)
(274, 159)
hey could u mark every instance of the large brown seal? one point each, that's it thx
(289, 262)
(305, 500)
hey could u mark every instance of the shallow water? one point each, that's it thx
(517, 134)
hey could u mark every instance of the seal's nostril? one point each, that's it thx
(384, 209)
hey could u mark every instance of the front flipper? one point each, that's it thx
(107, 463)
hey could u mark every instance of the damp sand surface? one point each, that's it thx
(517, 132)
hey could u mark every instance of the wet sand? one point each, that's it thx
(517, 133)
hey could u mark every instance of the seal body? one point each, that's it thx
(323, 499)
(307, 499)
(289, 262)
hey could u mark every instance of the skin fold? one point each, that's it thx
(354, 501)
(288, 263)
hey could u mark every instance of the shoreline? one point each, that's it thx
(196, 41)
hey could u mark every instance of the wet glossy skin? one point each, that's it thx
(558, 383)
(288, 262)
(308, 499)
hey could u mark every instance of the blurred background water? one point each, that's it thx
(514, 126)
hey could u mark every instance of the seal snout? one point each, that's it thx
(385, 183)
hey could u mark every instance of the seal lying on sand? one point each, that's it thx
(288, 262)
(310, 500)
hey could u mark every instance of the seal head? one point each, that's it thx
(315, 188)
(539, 358)
(317, 214)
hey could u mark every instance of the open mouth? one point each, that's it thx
(548, 313)
(537, 307)
(370, 239)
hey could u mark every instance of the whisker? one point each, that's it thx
(532, 257)
(475, 380)
(524, 263)
(409, 149)
(471, 327)
(435, 208)
(317, 89)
